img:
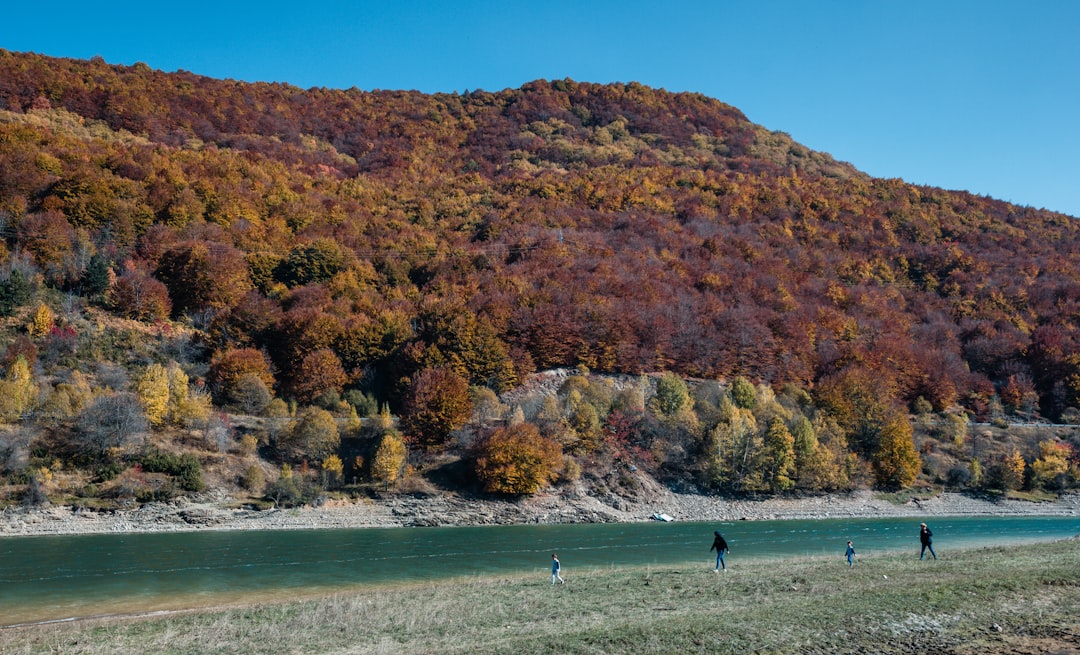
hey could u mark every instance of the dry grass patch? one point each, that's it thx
(886, 604)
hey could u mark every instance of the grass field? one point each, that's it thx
(993, 600)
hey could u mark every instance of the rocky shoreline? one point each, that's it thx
(214, 512)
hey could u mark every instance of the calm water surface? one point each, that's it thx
(58, 577)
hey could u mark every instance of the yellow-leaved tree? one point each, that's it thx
(1011, 471)
(42, 322)
(735, 444)
(779, 456)
(1049, 471)
(186, 406)
(1017, 468)
(178, 387)
(314, 435)
(17, 390)
(67, 399)
(167, 397)
(332, 469)
(389, 459)
(896, 462)
(153, 390)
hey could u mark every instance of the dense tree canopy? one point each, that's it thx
(616, 227)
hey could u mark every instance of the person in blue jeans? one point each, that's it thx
(850, 554)
(926, 538)
(720, 546)
(556, 567)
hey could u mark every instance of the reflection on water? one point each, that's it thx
(56, 577)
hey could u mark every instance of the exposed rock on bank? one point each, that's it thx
(212, 512)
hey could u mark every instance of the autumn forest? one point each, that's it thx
(292, 292)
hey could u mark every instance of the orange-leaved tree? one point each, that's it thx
(135, 294)
(319, 372)
(203, 275)
(436, 404)
(228, 367)
(517, 460)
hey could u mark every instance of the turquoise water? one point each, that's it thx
(58, 577)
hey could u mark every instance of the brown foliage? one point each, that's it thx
(49, 238)
(202, 275)
(134, 294)
(228, 367)
(20, 346)
(319, 372)
(437, 403)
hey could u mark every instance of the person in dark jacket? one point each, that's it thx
(720, 546)
(850, 554)
(926, 538)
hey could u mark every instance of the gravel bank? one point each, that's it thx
(212, 512)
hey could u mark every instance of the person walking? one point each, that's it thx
(850, 554)
(721, 547)
(926, 538)
(556, 568)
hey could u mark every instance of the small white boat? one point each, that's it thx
(662, 517)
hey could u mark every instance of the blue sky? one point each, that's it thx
(981, 96)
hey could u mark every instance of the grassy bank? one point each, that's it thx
(1019, 600)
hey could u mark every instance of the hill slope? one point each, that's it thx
(619, 227)
(356, 239)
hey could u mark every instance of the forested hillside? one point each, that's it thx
(176, 246)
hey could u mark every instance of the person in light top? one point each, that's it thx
(556, 567)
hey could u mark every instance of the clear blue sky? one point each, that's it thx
(977, 95)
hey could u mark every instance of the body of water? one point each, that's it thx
(60, 577)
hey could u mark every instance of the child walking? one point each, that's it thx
(556, 567)
(850, 554)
